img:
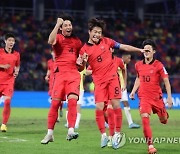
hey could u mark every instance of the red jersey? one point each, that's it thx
(150, 76)
(51, 69)
(66, 52)
(6, 75)
(100, 59)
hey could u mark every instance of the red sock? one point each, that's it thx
(111, 121)
(147, 130)
(72, 112)
(118, 119)
(53, 113)
(6, 111)
(100, 120)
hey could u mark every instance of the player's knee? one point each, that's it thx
(146, 115)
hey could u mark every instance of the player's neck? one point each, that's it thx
(9, 50)
(148, 60)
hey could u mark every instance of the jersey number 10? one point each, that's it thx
(146, 78)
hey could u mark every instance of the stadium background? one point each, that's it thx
(128, 21)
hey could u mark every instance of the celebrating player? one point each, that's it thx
(9, 70)
(66, 47)
(149, 74)
(107, 87)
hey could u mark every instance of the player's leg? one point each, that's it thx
(111, 123)
(71, 116)
(100, 96)
(6, 113)
(57, 94)
(80, 101)
(61, 109)
(124, 100)
(8, 93)
(106, 114)
(72, 91)
(145, 111)
(114, 91)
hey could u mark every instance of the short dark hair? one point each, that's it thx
(94, 22)
(65, 16)
(8, 35)
(149, 42)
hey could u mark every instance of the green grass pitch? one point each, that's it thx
(27, 127)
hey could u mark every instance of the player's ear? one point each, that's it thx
(154, 51)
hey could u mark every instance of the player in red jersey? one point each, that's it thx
(107, 87)
(149, 74)
(9, 69)
(50, 79)
(66, 47)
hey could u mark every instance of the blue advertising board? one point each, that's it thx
(38, 99)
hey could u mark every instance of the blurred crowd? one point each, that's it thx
(32, 44)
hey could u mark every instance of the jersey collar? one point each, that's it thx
(7, 51)
(150, 62)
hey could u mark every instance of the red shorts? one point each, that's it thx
(156, 106)
(6, 90)
(107, 90)
(65, 84)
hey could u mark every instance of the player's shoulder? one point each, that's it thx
(16, 53)
(138, 63)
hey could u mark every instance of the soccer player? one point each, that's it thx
(79, 102)
(9, 70)
(107, 87)
(126, 57)
(50, 79)
(66, 47)
(149, 74)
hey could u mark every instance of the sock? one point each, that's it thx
(118, 119)
(78, 119)
(100, 120)
(72, 112)
(147, 130)
(6, 111)
(50, 132)
(53, 114)
(128, 115)
(111, 122)
(66, 118)
(71, 131)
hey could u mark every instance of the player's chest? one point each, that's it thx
(148, 70)
(101, 50)
(69, 46)
(8, 58)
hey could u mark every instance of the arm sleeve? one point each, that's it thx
(163, 71)
(18, 60)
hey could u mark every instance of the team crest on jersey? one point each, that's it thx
(151, 71)
(165, 72)
(102, 48)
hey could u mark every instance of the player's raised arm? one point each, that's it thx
(128, 48)
(52, 36)
(168, 89)
(135, 87)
